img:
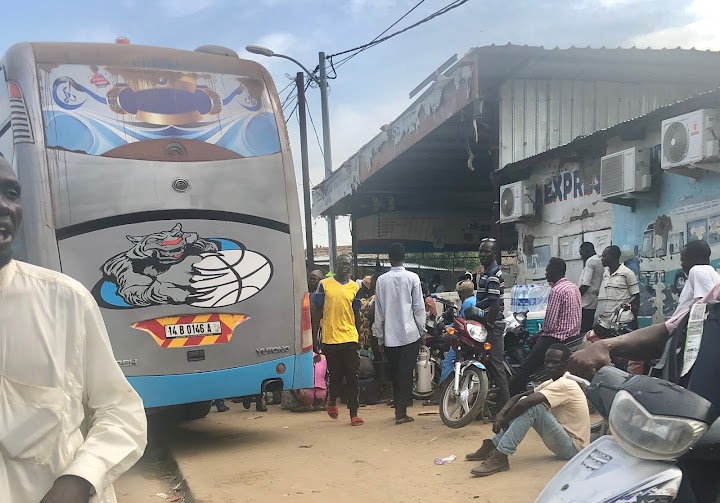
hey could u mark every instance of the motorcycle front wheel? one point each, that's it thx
(457, 411)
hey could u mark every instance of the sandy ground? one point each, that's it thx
(142, 482)
(155, 474)
(245, 456)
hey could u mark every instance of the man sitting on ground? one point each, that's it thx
(557, 410)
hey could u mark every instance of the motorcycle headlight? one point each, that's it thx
(477, 332)
(648, 436)
(520, 317)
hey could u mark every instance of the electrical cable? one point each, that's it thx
(440, 12)
(314, 129)
(348, 58)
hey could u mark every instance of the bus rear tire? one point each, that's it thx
(197, 410)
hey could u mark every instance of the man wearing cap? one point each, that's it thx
(314, 279)
(466, 291)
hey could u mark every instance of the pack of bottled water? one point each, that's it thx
(530, 297)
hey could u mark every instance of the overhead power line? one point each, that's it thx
(314, 129)
(345, 60)
(444, 10)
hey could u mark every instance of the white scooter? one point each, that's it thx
(653, 424)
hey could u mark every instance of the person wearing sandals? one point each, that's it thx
(337, 306)
(399, 323)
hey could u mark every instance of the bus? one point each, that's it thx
(162, 180)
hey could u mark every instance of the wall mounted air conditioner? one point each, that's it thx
(517, 200)
(625, 172)
(690, 138)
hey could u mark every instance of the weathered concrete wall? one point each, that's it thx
(569, 212)
(651, 236)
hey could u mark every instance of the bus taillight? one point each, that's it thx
(306, 325)
(14, 90)
(22, 132)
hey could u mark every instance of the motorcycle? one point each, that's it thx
(517, 347)
(654, 424)
(619, 322)
(465, 392)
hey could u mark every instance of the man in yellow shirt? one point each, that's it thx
(337, 305)
(557, 410)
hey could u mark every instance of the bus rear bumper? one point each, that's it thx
(165, 390)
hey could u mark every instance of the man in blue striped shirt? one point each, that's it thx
(490, 286)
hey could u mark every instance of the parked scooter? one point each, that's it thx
(466, 390)
(653, 423)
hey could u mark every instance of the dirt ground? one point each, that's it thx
(155, 477)
(245, 456)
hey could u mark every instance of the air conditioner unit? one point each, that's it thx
(517, 200)
(625, 172)
(690, 138)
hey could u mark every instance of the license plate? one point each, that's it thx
(193, 329)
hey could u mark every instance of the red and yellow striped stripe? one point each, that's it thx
(156, 328)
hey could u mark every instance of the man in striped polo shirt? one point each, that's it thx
(562, 322)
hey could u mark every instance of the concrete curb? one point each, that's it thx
(186, 491)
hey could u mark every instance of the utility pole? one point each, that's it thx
(327, 151)
(309, 245)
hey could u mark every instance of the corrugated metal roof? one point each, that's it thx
(499, 63)
(706, 99)
(505, 66)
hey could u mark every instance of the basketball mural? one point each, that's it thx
(178, 267)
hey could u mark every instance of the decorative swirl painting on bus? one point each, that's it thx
(178, 267)
(94, 110)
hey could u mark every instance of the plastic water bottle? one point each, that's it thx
(522, 298)
(532, 297)
(514, 292)
(539, 298)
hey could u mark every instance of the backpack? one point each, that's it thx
(369, 391)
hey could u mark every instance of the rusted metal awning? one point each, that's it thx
(451, 93)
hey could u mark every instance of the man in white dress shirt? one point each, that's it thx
(70, 423)
(701, 276)
(399, 323)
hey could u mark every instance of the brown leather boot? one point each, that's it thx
(496, 462)
(482, 453)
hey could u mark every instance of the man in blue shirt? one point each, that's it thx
(466, 291)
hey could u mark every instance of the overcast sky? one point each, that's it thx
(371, 89)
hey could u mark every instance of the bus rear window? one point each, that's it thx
(151, 114)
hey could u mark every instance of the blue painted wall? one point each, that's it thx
(652, 235)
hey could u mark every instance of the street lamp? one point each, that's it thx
(327, 153)
(261, 50)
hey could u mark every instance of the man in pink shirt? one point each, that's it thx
(562, 322)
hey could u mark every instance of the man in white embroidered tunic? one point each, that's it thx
(70, 423)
